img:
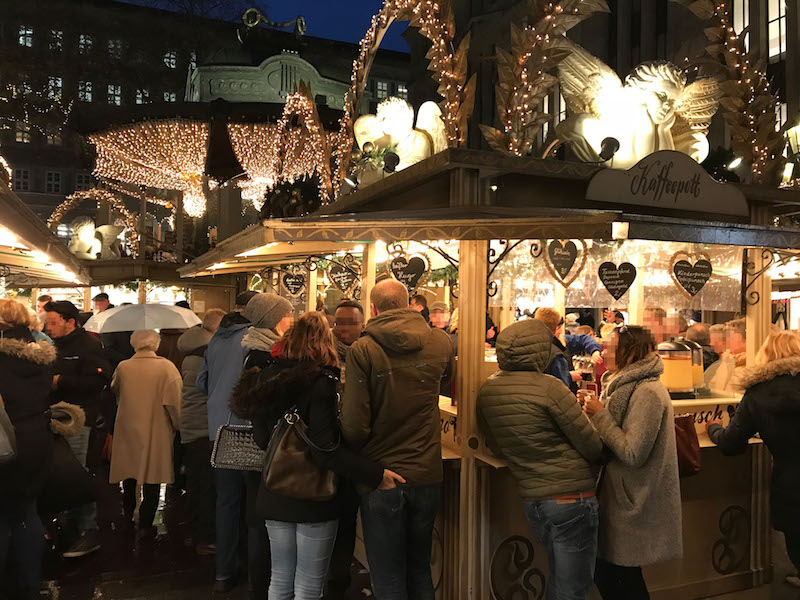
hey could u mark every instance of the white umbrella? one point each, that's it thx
(141, 316)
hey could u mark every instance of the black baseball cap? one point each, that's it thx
(245, 297)
(100, 297)
(66, 309)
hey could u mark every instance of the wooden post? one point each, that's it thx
(636, 300)
(179, 226)
(311, 290)
(142, 221)
(34, 298)
(142, 292)
(471, 356)
(367, 276)
(87, 299)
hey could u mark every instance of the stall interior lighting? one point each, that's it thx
(788, 171)
(735, 163)
(619, 230)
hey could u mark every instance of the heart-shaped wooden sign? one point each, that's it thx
(343, 279)
(561, 258)
(690, 278)
(294, 283)
(410, 271)
(617, 279)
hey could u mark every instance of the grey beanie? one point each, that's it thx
(442, 306)
(265, 311)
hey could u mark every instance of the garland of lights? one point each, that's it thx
(5, 171)
(449, 68)
(30, 107)
(99, 195)
(168, 154)
(523, 78)
(117, 187)
(749, 102)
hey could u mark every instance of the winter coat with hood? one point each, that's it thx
(26, 374)
(390, 407)
(533, 421)
(640, 496)
(221, 368)
(313, 390)
(194, 406)
(771, 407)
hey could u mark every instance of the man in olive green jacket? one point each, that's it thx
(533, 422)
(390, 413)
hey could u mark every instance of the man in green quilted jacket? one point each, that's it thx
(533, 422)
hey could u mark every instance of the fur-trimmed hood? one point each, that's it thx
(67, 419)
(39, 353)
(755, 375)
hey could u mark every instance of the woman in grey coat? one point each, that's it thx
(640, 500)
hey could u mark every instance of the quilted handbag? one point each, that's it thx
(236, 449)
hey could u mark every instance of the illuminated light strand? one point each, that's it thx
(168, 154)
(117, 187)
(98, 195)
(5, 171)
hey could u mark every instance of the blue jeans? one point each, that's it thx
(231, 494)
(84, 517)
(21, 551)
(398, 533)
(300, 556)
(569, 532)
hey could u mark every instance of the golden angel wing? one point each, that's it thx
(696, 107)
(585, 80)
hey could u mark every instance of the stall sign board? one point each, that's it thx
(617, 279)
(690, 277)
(294, 283)
(668, 180)
(411, 272)
(343, 278)
(562, 256)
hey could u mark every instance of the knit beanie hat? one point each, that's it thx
(265, 311)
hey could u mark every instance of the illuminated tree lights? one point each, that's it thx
(98, 195)
(523, 78)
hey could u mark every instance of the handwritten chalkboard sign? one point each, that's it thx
(690, 277)
(411, 272)
(294, 283)
(342, 278)
(617, 279)
(561, 259)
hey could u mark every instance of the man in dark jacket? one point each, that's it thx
(81, 373)
(390, 413)
(576, 345)
(701, 334)
(531, 420)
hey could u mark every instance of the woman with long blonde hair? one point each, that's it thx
(304, 376)
(771, 407)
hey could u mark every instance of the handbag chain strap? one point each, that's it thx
(293, 418)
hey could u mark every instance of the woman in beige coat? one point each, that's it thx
(148, 389)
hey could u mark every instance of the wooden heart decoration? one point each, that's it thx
(617, 279)
(342, 278)
(560, 260)
(690, 278)
(294, 283)
(410, 271)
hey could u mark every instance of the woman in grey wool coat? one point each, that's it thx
(640, 499)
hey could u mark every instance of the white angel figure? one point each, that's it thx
(393, 128)
(653, 110)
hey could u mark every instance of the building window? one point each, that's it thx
(142, 96)
(64, 231)
(382, 89)
(54, 86)
(170, 97)
(781, 115)
(562, 107)
(193, 60)
(547, 125)
(56, 40)
(85, 43)
(23, 86)
(85, 91)
(171, 59)
(115, 48)
(776, 29)
(52, 182)
(114, 94)
(54, 136)
(22, 180)
(83, 182)
(23, 133)
(25, 36)
(402, 91)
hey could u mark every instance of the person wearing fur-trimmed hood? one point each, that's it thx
(26, 373)
(771, 407)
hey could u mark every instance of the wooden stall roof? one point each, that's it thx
(29, 269)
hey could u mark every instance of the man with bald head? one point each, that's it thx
(390, 413)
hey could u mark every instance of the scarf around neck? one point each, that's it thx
(259, 339)
(619, 387)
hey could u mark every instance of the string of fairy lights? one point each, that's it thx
(98, 195)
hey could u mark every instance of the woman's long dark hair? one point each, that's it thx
(635, 343)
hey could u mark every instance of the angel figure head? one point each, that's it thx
(396, 118)
(366, 129)
(662, 84)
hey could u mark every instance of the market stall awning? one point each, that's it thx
(30, 254)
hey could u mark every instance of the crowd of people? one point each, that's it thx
(597, 473)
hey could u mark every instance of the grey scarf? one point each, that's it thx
(259, 339)
(619, 387)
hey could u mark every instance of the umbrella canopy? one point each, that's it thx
(141, 316)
